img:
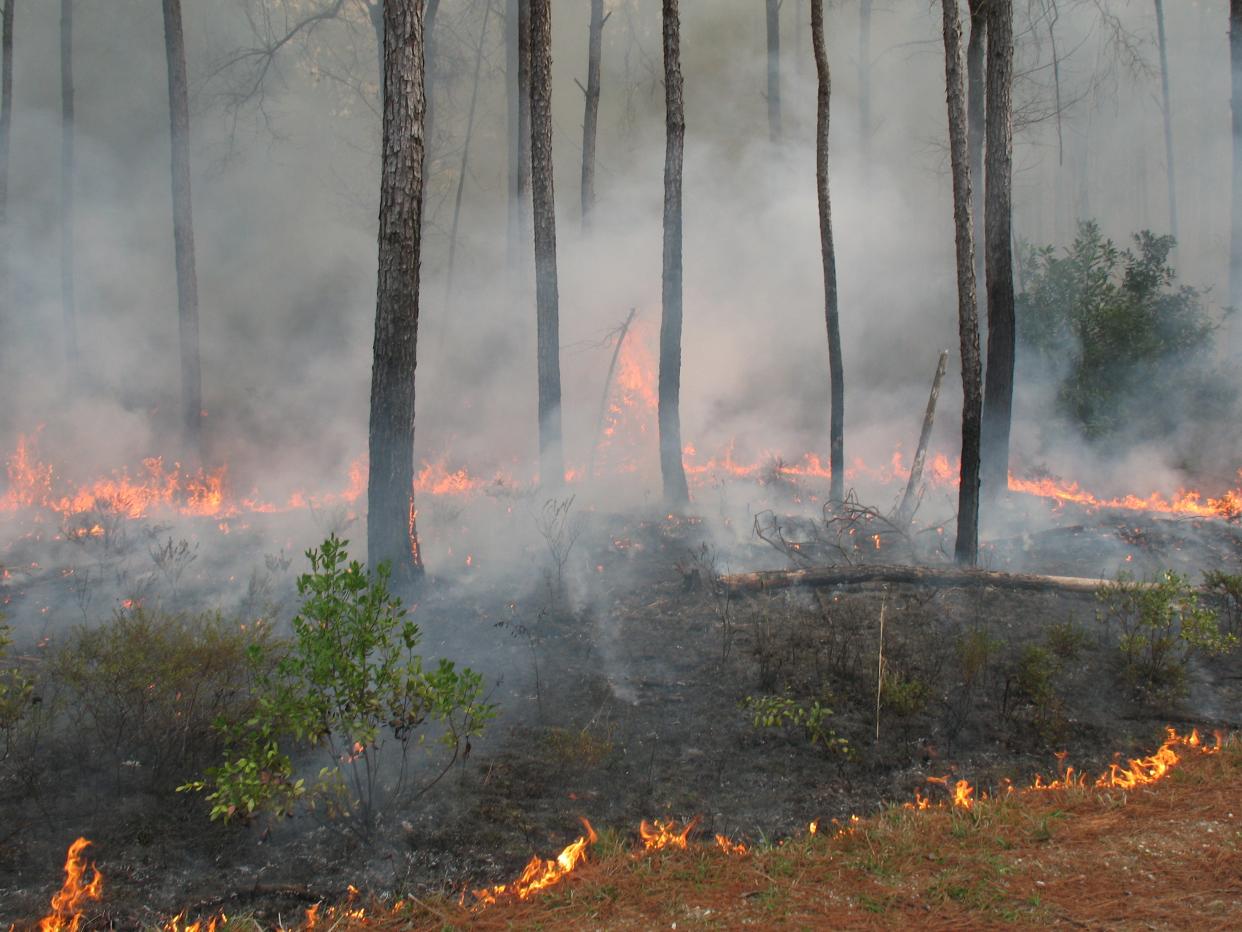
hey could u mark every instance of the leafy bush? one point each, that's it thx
(1034, 682)
(140, 693)
(1226, 588)
(1133, 347)
(16, 691)
(351, 687)
(783, 713)
(1162, 626)
(903, 696)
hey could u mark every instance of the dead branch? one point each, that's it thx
(955, 576)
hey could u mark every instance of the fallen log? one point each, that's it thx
(853, 575)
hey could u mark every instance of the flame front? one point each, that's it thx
(540, 874)
(659, 834)
(75, 893)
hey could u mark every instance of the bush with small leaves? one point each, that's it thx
(350, 687)
(1162, 626)
(782, 713)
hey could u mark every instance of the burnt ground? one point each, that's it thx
(624, 700)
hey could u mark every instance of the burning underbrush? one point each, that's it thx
(1154, 839)
(635, 685)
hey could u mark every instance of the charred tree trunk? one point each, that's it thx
(966, 549)
(183, 233)
(1162, 41)
(590, 119)
(67, 303)
(975, 118)
(997, 224)
(6, 128)
(836, 431)
(864, 78)
(1235, 61)
(676, 491)
(391, 533)
(551, 456)
(774, 69)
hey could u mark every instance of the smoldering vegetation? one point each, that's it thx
(629, 679)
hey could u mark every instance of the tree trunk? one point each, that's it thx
(975, 118)
(997, 223)
(462, 170)
(6, 127)
(966, 550)
(676, 492)
(514, 234)
(68, 308)
(1162, 41)
(1235, 61)
(956, 576)
(183, 234)
(590, 119)
(522, 182)
(864, 78)
(774, 69)
(391, 533)
(910, 500)
(836, 432)
(551, 456)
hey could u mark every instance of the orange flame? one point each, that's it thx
(75, 893)
(540, 874)
(730, 847)
(659, 834)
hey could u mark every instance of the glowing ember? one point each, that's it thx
(540, 874)
(75, 893)
(658, 834)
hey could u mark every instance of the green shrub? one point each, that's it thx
(811, 719)
(1131, 348)
(1162, 626)
(1066, 640)
(140, 693)
(903, 696)
(350, 687)
(1035, 685)
(1226, 588)
(16, 691)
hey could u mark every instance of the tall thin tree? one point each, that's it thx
(6, 127)
(183, 233)
(590, 119)
(517, 100)
(1235, 66)
(828, 255)
(391, 532)
(1163, 43)
(543, 197)
(998, 230)
(864, 77)
(68, 308)
(673, 471)
(966, 549)
(975, 117)
(773, 18)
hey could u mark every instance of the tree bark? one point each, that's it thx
(975, 119)
(551, 456)
(68, 305)
(966, 549)
(911, 497)
(6, 128)
(774, 69)
(183, 233)
(590, 119)
(1162, 42)
(864, 78)
(391, 533)
(676, 491)
(997, 224)
(1235, 61)
(836, 430)
(958, 576)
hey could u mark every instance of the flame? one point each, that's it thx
(813, 828)
(659, 834)
(178, 924)
(731, 847)
(540, 874)
(75, 893)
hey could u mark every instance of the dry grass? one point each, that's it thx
(1168, 855)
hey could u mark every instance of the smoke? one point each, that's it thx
(285, 203)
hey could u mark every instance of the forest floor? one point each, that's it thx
(635, 700)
